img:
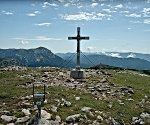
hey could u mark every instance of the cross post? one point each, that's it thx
(78, 38)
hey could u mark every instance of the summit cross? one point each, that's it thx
(78, 38)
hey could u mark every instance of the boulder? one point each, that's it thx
(77, 98)
(11, 124)
(26, 112)
(45, 114)
(58, 119)
(23, 119)
(73, 118)
(54, 108)
(8, 118)
(114, 122)
(86, 109)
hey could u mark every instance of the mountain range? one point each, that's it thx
(43, 57)
(30, 57)
(123, 60)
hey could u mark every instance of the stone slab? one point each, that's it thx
(77, 74)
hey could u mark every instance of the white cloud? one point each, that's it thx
(134, 15)
(94, 4)
(37, 12)
(34, 13)
(124, 11)
(61, 1)
(146, 12)
(46, 4)
(107, 10)
(115, 55)
(43, 24)
(102, 4)
(131, 55)
(147, 21)
(38, 38)
(54, 5)
(31, 14)
(136, 21)
(148, 1)
(129, 28)
(67, 4)
(80, 6)
(119, 6)
(90, 48)
(7, 12)
(85, 16)
(32, 4)
(23, 42)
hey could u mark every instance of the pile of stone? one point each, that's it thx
(144, 119)
(14, 68)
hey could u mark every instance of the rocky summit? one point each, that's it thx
(104, 97)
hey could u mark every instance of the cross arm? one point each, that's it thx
(72, 38)
(85, 38)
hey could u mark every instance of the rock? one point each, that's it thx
(77, 98)
(45, 102)
(110, 106)
(130, 99)
(134, 118)
(100, 118)
(127, 90)
(58, 119)
(54, 108)
(86, 109)
(114, 122)
(45, 114)
(23, 119)
(73, 118)
(145, 115)
(136, 121)
(61, 74)
(63, 102)
(95, 123)
(67, 104)
(26, 112)
(11, 124)
(103, 80)
(44, 122)
(8, 118)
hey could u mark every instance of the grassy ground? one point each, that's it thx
(11, 91)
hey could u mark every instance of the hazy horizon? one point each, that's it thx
(112, 25)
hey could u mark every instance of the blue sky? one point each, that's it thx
(112, 25)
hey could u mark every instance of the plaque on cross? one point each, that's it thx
(78, 38)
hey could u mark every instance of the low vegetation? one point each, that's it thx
(13, 86)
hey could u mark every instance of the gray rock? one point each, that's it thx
(54, 108)
(63, 102)
(58, 119)
(77, 98)
(23, 119)
(100, 118)
(145, 115)
(86, 109)
(95, 123)
(73, 118)
(11, 124)
(8, 118)
(114, 122)
(45, 115)
(136, 120)
(26, 112)
(47, 122)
